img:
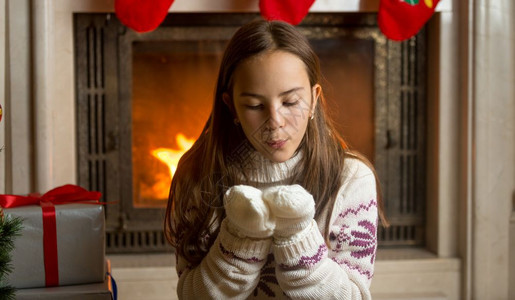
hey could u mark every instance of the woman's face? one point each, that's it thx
(273, 100)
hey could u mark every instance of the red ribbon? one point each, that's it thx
(61, 195)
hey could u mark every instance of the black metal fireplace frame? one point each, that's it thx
(103, 94)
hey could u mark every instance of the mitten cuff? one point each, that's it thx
(245, 248)
(289, 251)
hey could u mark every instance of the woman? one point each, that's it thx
(269, 202)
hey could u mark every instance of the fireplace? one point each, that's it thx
(142, 99)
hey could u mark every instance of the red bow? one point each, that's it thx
(68, 193)
(61, 195)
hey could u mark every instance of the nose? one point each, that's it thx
(276, 118)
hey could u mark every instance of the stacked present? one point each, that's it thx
(60, 251)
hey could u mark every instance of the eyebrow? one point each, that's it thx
(247, 94)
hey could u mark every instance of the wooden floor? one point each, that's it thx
(149, 277)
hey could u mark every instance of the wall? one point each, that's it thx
(3, 95)
(489, 123)
(16, 169)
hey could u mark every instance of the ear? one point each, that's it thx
(316, 91)
(228, 101)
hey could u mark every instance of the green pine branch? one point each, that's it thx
(7, 293)
(9, 229)
(5, 264)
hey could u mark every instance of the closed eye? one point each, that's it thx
(254, 107)
(291, 103)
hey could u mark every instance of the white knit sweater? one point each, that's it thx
(305, 268)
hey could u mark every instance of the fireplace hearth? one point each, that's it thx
(139, 105)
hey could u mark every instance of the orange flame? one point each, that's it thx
(170, 157)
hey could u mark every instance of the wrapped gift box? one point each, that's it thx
(93, 291)
(80, 232)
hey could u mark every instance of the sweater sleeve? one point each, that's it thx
(307, 268)
(230, 270)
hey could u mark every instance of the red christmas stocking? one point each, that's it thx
(291, 11)
(402, 19)
(142, 15)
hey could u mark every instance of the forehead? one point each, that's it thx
(271, 70)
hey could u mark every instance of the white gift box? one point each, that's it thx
(80, 245)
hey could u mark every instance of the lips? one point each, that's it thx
(276, 144)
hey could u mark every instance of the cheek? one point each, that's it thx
(250, 121)
(300, 129)
(298, 119)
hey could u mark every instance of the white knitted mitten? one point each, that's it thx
(292, 207)
(247, 214)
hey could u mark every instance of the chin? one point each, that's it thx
(279, 157)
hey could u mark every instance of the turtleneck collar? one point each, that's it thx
(268, 171)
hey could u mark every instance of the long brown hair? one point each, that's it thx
(195, 205)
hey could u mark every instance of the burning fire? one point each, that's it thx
(170, 157)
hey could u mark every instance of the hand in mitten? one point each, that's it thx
(292, 207)
(247, 214)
